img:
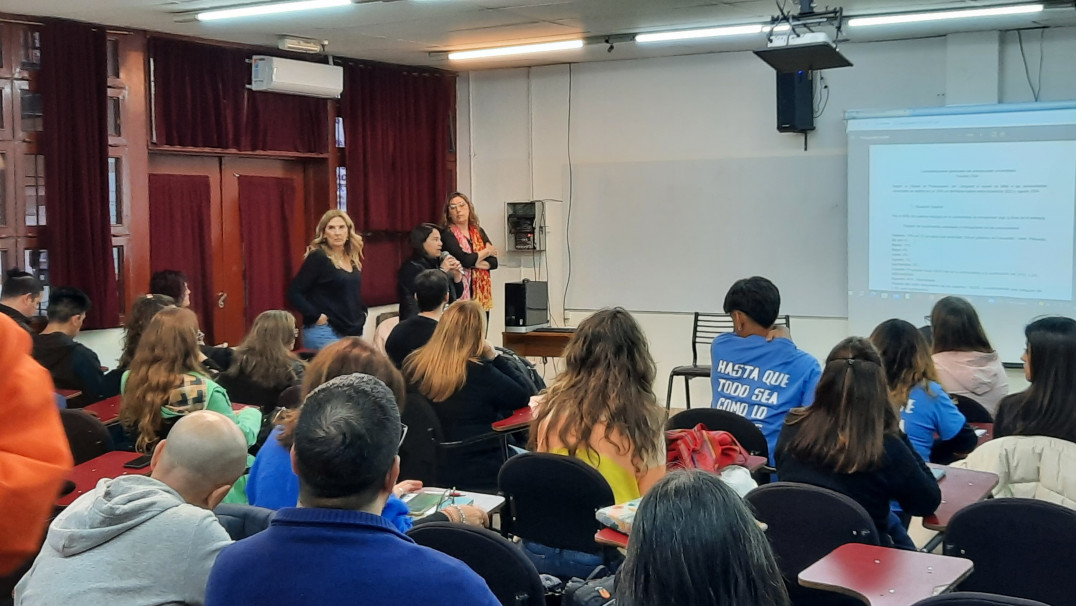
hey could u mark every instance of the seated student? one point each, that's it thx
(337, 547)
(757, 372)
(144, 540)
(273, 483)
(19, 297)
(1048, 406)
(967, 365)
(166, 382)
(431, 295)
(172, 283)
(925, 409)
(263, 365)
(694, 541)
(142, 311)
(850, 440)
(71, 364)
(426, 255)
(602, 408)
(470, 386)
(34, 454)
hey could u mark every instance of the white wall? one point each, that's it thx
(514, 141)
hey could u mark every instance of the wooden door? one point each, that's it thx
(227, 291)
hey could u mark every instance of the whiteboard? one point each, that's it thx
(673, 236)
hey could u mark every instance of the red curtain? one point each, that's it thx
(398, 132)
(384, 253)
(179, 231)
(266, 214)
(201, 100)
(74, 95)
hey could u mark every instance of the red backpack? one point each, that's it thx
(698, 448)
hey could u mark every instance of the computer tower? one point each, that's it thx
(526, 305)
(795, 102)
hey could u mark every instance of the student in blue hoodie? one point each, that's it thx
(757, 371)
(138, 540)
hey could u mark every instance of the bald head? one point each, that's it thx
(204, 451)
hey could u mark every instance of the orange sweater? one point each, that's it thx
(34, 455)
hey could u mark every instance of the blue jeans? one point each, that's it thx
(563, 563)
(318, 337)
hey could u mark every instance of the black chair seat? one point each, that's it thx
(971, 598)
(87, 436)
(510, 575)
(691, 371)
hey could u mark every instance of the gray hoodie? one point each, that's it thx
(133, 540)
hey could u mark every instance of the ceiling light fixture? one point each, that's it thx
(691, 34)
(524, 49)
(995, 11)
(268, 9)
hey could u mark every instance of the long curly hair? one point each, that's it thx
(353, 246)
(608, 379)
(167, 351)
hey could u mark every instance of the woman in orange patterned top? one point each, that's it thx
(464, 239)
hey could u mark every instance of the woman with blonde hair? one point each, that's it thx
(264, 365)
(467, 242)
(469, 385)
(327, 288)
(273, 483)
(602, 408)
(166, 381)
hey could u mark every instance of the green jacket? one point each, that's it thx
(198, 392)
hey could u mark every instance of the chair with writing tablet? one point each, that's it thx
(1020, 547)
(805, 523)
(972, 598)
(973, 411)
(704, 330)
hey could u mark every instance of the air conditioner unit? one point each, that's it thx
(278, 75)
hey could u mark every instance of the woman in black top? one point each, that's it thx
(426, 254)
(1048, 406)
(470, 386)
(850, 440)
(326, 291)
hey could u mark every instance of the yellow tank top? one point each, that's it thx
(622, 481)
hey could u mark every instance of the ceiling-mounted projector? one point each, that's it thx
(811, 51)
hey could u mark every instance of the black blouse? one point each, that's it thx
(468, 260)
(321, 287)
(405, 284)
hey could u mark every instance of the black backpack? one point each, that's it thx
(525, 370)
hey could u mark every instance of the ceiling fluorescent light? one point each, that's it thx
(995, 11)
(524, 49)
(268, 9)
(691, 34)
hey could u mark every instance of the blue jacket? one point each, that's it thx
(762, 380)
(272, 483)
(333, 556)
(929, 411)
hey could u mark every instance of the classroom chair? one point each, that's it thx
(426, 456)
(87, 436)
(242, 521)
(970, 598)
(510, 575)
(746, 433)
(1020, 547)
(704, 329)
(805, 523)
(973, 411)
(552, 499)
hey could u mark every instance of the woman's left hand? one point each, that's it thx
(406, 487)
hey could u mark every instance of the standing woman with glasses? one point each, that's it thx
(466, 241)
(327, 288)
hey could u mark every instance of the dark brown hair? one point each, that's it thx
(844, 430)
(955, 326)
(142, 311)
(906, 358)
(344, 357)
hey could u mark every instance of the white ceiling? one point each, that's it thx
(407, 31)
